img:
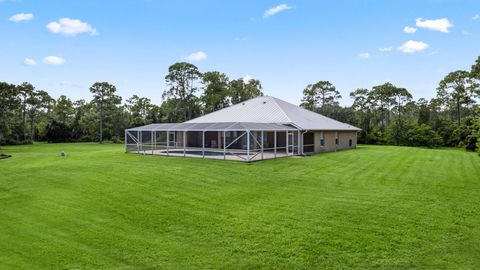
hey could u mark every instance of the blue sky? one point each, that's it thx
(284, 44)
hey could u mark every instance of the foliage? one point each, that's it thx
(215, 91)
(320, 94)
(106, 101)
(240, 90)
(386, 113)
(182, 79)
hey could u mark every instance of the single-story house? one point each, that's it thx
(260, 128)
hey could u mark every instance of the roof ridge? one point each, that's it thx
(283, 111)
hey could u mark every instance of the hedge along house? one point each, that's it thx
(256, 129)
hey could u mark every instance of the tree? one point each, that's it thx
(8, 103)
(104, 98)
(401, 96)
(456, 90)
(475, 72)
(384, 96)
(319, 95)
(24, 91)
(215, 91)
(36, 100)
(310, 99)
(239, 90)
(63, 110)
(182, 79)
(139, 108)
(423, 111)
(362, 106)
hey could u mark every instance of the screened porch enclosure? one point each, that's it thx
(229, 141)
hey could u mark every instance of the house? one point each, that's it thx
(260, 128)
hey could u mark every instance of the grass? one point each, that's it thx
(374, 207)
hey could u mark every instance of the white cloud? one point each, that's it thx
(53, 60)
(476, 17)
(29, 62)
(197, 56)
(409, 30)
(413, 46)
(386, 49)
(364, 56)
(434, 52)
(240, 39)
(274, 10)
(71, 27)
(247, 78)
(441, 25)
(21, 17)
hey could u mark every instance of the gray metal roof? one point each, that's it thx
(221, 126)
(273, 110)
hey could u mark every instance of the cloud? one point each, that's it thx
(434, 52)
(476, 17)
(409, 30)
(71, 27)
(413, 46)
(386, 49)
(364, 56)
(274, 10)
(197, 56)
(247, 78)
(240, 39)
(53, 60)
(29, 62)
(441, 25)
(21, 17)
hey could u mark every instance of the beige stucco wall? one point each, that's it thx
(344, 137)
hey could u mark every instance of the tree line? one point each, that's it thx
(387, 114)
(28, 114)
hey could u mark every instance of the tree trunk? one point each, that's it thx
(100, 126)
(32, 133)
(24, 121)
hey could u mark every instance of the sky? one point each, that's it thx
(65, 46)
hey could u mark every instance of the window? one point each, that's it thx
(350, 142)
(336, 138)
(322, 139)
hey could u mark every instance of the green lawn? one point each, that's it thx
(374, 207)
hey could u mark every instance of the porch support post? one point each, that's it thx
(286, 141)
(125, 141)
(224, 145)
(154, 141)
(184, 143)
(275, 144)
(138, 142)
(168, 141)
(151, 140)
(203, 144)
(261, 144)
(248, 145)
(298, 146)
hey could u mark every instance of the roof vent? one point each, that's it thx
(243, 103)
(264, 102)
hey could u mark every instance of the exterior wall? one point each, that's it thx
(344, 137)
